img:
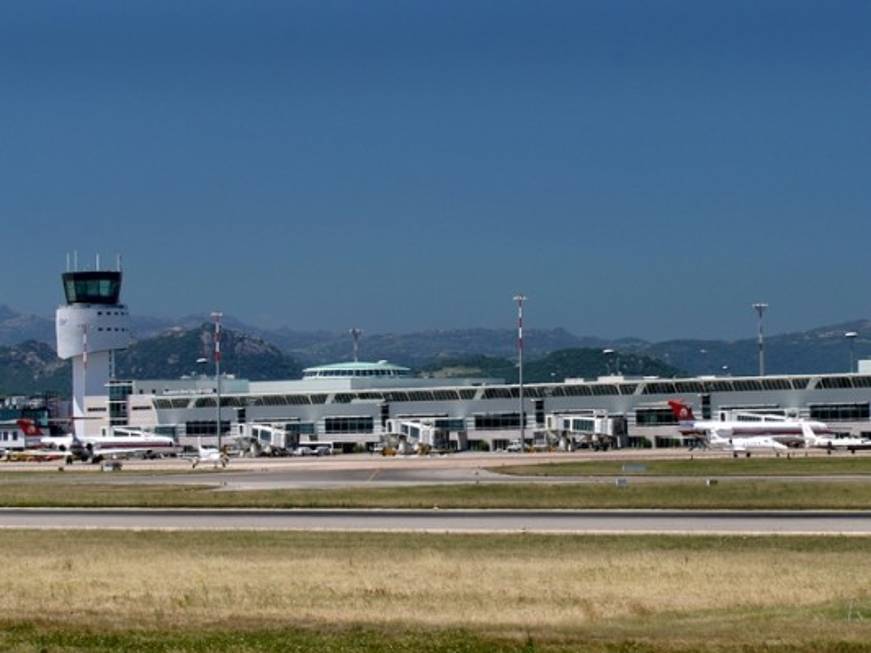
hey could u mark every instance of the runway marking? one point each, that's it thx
(446, 531)
(457, 521)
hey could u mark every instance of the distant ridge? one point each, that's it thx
(823, 349)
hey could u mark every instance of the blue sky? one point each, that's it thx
(636, 168)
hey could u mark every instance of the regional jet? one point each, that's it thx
(123, 443)
(756, 431)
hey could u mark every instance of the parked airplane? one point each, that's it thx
(782, 429)
(755, 432)
(210, 456)
(123, 443)
(831, 443)
(745, 445)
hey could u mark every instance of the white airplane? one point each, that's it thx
(210, 456)
(758, 432)
(745, 445)
(95, 448)
(830, 443)
(783, 430)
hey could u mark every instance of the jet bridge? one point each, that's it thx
(415, 436)
(267, 439)
(587, 429)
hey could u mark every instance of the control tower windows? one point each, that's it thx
(92, 287)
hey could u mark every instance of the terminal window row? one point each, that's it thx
(349, 425)
(654, 417)
(497, 421)
(840, 412)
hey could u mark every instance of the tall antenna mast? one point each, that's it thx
(520, 298)
(216, 316)
(355, 334)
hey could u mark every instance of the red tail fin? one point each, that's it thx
(29, 427)
(681, 411)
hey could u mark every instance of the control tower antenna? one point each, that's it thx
(118, 262)
(75, 260)
(98, 261)
(355, 334)
(68, 262)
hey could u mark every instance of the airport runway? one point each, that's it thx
(474, 521)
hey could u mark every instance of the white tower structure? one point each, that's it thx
(90, 327)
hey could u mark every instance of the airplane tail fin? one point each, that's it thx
(810, 438)
(29, 427)
(681, 411)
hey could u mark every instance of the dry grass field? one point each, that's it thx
(58, 490)
(798, 464)
(84, 590)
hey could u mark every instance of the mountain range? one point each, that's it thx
(168, 347)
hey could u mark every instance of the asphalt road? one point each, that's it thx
(491, 521)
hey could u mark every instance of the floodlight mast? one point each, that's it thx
(355, 334)
(851, 338)
(760, 307)
(608, 353)
(520, 298)
(216, 316)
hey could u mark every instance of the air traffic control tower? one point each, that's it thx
(90, 327)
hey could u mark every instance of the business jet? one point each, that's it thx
(831, 443)
(745, 446)
(210, 456)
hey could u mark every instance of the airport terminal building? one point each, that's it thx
(354, 405)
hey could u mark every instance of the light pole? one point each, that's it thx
(760, 307)
(851, 338)
(355, 334)
(519, 298)
(725, 369)
(216, 316)
(608, 353)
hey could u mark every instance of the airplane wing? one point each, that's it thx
(126, 452)
(24, 455)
